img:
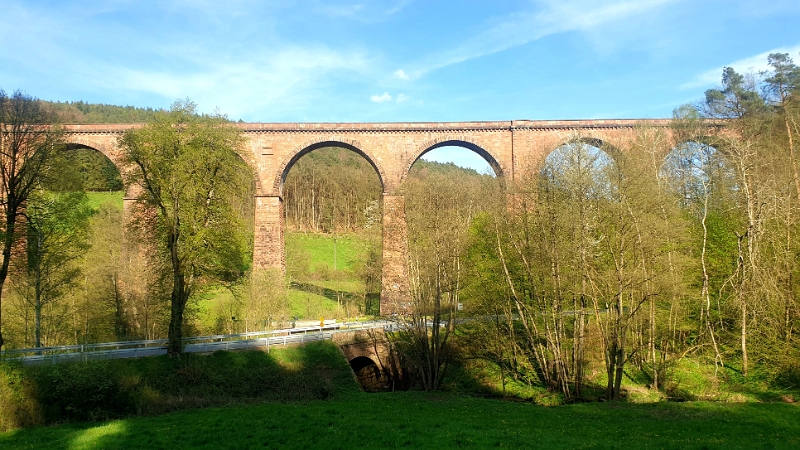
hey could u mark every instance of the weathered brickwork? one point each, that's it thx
(513, 148)
(373, 345)
(395, 297)
(268, 233)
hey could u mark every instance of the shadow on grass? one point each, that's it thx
(371, 301)
(103, 390)
(328, 293)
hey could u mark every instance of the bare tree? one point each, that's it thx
(28, 137)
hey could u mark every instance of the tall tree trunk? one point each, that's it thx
(743, 304)
(37, 309)
(8, 243)
(744, 338)
(178, 298)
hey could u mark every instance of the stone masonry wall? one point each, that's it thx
(515, 148)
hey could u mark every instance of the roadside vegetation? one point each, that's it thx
(103, 390)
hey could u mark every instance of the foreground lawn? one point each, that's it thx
(421, 420)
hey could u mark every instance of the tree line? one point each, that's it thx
(65, 259)
(84, 112)
(682, 243)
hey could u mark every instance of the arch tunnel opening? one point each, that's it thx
(332, 206)
(374, 378)
(450, 185)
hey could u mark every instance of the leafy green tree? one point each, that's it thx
(782, 87)
(265, 299)
(57, 236)
(105, 307)
(190, 180)
(27, 139)
(737, 99)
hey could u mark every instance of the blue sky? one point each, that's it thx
(393, 60)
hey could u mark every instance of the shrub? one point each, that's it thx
(18, 405)
(81, 391)
(100, 390)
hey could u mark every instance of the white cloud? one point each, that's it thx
(365, 12)
(402, 97)
(552, 17)
(255, 81)
(338, 10)
(399, 6)
(385, 97)
(757, 63)
(289, 80)
(400, 74)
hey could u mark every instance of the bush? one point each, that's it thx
(100, 390)
(788, 374)
(82, 391)
(18, 405)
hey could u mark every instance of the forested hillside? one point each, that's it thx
(83, 112)
(332, 189)
(622, 267)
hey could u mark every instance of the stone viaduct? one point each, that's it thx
(512, 148)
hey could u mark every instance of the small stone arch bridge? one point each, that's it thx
(510, 147)
(374, 361)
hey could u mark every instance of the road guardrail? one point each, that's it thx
(195, 344)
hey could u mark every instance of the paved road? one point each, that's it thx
(139, 349)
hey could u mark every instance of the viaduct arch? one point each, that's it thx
(512, 148)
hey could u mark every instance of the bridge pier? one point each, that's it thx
(395, 295)
(268, 250)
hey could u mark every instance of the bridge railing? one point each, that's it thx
(201, 344)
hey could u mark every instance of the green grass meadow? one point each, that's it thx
(306, 397)
(97, 199)
(350, 248)
(321, 291)
(424, 420)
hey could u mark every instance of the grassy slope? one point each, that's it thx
(98, 198)
(420, 420)
(349, 249)
(302, 303)
(308, 305)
